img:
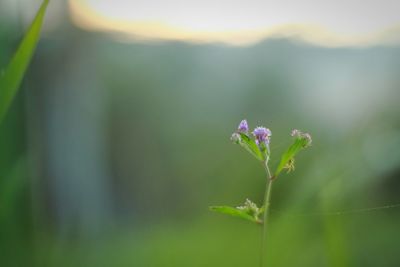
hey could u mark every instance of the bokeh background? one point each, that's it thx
(115, 147)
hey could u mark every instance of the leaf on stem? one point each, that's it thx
(287, 160)
(234, 212)
(249, 211)
(251, 146)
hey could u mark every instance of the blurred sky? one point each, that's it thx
(326, 22)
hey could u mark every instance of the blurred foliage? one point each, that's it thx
(118, 149)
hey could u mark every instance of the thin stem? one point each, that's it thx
(267, 199)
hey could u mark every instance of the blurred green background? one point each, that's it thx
(113, 151)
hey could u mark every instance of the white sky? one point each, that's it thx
(327, 22)
(340, 16)
(340, 22)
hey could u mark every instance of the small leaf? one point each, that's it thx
(12, 77)
(251, 146)
(235, 212)
(288, 157)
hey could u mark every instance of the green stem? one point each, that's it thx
(267, 200)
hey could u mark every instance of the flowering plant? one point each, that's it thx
(258, 146)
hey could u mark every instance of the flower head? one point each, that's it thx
(251, 208)
(298, 134)
(235, 137)
(307, 136)
(295, 132)
(262, 134)
(243, 127)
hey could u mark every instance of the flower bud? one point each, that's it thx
(243, 127)
(235, 137)
(306, 136)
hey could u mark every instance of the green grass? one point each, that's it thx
(13, 75)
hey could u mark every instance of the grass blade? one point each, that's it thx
(12, 77)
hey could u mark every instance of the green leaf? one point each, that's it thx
(235, 212)
(251, 146)
(12, 77)
(288, 157)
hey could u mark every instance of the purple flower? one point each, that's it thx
(262, 134)
(243, 127)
